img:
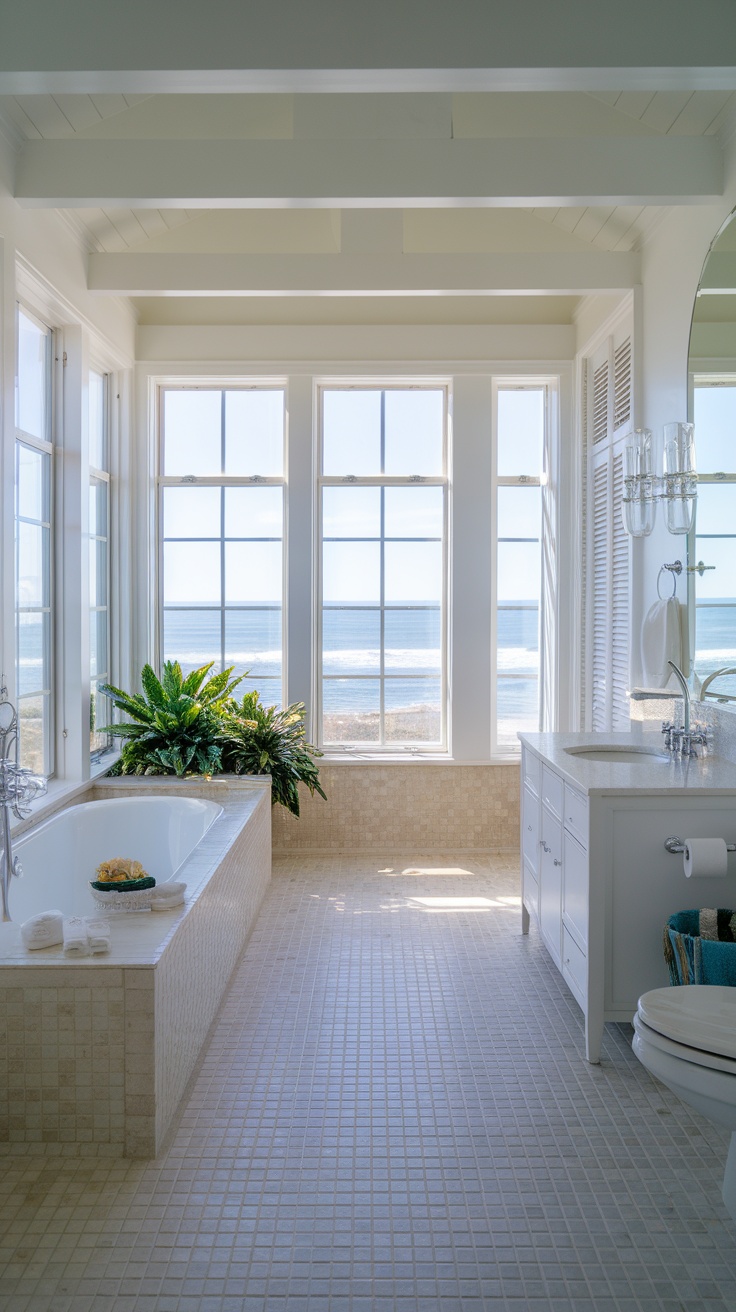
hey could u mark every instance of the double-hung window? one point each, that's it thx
(520, 431)
(221, 533)
(714, 412)
(383, 519)
(99, 558)
(33, 542)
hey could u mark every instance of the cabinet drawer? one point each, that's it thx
(552, 791)
(530, 828)
(576, 814)
(574, 967)
(532, 771)
(575, 893)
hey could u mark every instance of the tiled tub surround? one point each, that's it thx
(97, 1056)
(432, 806)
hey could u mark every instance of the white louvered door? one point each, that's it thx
(607, 569)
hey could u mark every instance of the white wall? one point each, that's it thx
(672, 263)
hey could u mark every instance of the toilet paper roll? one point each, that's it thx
(705, 858)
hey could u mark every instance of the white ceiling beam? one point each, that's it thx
(147, 274)
(413, 45)
(271, 174)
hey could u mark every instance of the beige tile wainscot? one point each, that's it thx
(431, 806)
(97, 1056)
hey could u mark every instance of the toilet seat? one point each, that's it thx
(695, 1022)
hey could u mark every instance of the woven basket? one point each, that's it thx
(692, 959)
(131, 899)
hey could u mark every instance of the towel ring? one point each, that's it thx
(665, 569)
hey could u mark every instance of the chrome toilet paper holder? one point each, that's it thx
(676, 846)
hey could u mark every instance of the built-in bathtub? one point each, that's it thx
(60, 857)
(100, 1049)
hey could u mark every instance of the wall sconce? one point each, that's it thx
(676, 487)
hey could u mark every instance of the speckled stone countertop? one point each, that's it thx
(709, 774)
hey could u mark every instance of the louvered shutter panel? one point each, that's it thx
(619, 601)
(599, 599)
(622, 384)
(584, 589)
(600, 403)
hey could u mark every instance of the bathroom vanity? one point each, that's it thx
(595, 873)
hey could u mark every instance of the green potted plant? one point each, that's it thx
(194, 726)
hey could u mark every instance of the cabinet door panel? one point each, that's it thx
(550, 884)
(530, 829)
(575, 888)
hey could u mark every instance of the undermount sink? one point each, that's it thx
(615, 755)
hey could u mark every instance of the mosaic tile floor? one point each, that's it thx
(393, 1115)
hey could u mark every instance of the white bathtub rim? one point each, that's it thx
(136, 944)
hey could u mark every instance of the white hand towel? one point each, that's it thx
(168, 895)
(684, 662)
(661, 641)
(99, 935)
(43, 931)
(76, 938)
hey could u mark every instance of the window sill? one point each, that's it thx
(61, 793)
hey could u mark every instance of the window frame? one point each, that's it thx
(383, 747)
(545, 481)
(104, 476)
(221, 481)
(47, 448)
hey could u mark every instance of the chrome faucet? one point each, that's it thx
(682, 741)
(18, 788)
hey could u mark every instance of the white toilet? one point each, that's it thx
(686, 1037)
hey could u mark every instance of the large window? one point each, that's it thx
(714, 413)
(383, 514)
(99, 559)
(33, 542)
(520, 427)
(222, 512)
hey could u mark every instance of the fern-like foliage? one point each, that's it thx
(260, 739)
(175, 723)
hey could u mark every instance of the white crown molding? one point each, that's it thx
(47, 300)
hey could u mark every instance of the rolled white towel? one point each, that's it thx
(99, 935)
(76, 937)
(43, 931)
(168, 895)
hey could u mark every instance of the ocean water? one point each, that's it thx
(351, 644)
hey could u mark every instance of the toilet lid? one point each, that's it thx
(702, 1016)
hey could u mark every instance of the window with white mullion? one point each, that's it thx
(383, 571)
(99, 558)
(221, 515)
(714, 413)
(520, 423)
(34, 542)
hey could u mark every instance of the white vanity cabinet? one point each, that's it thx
(596, 876)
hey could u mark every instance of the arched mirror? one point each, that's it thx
(712, 544)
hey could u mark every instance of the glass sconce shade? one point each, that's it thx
(676, 487)
(639, 505)
(680, 479)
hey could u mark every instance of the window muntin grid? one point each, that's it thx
(99, 559)
(521, 417)
(34, 542)
(221, 531)
(714, 415)
(383, 509)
